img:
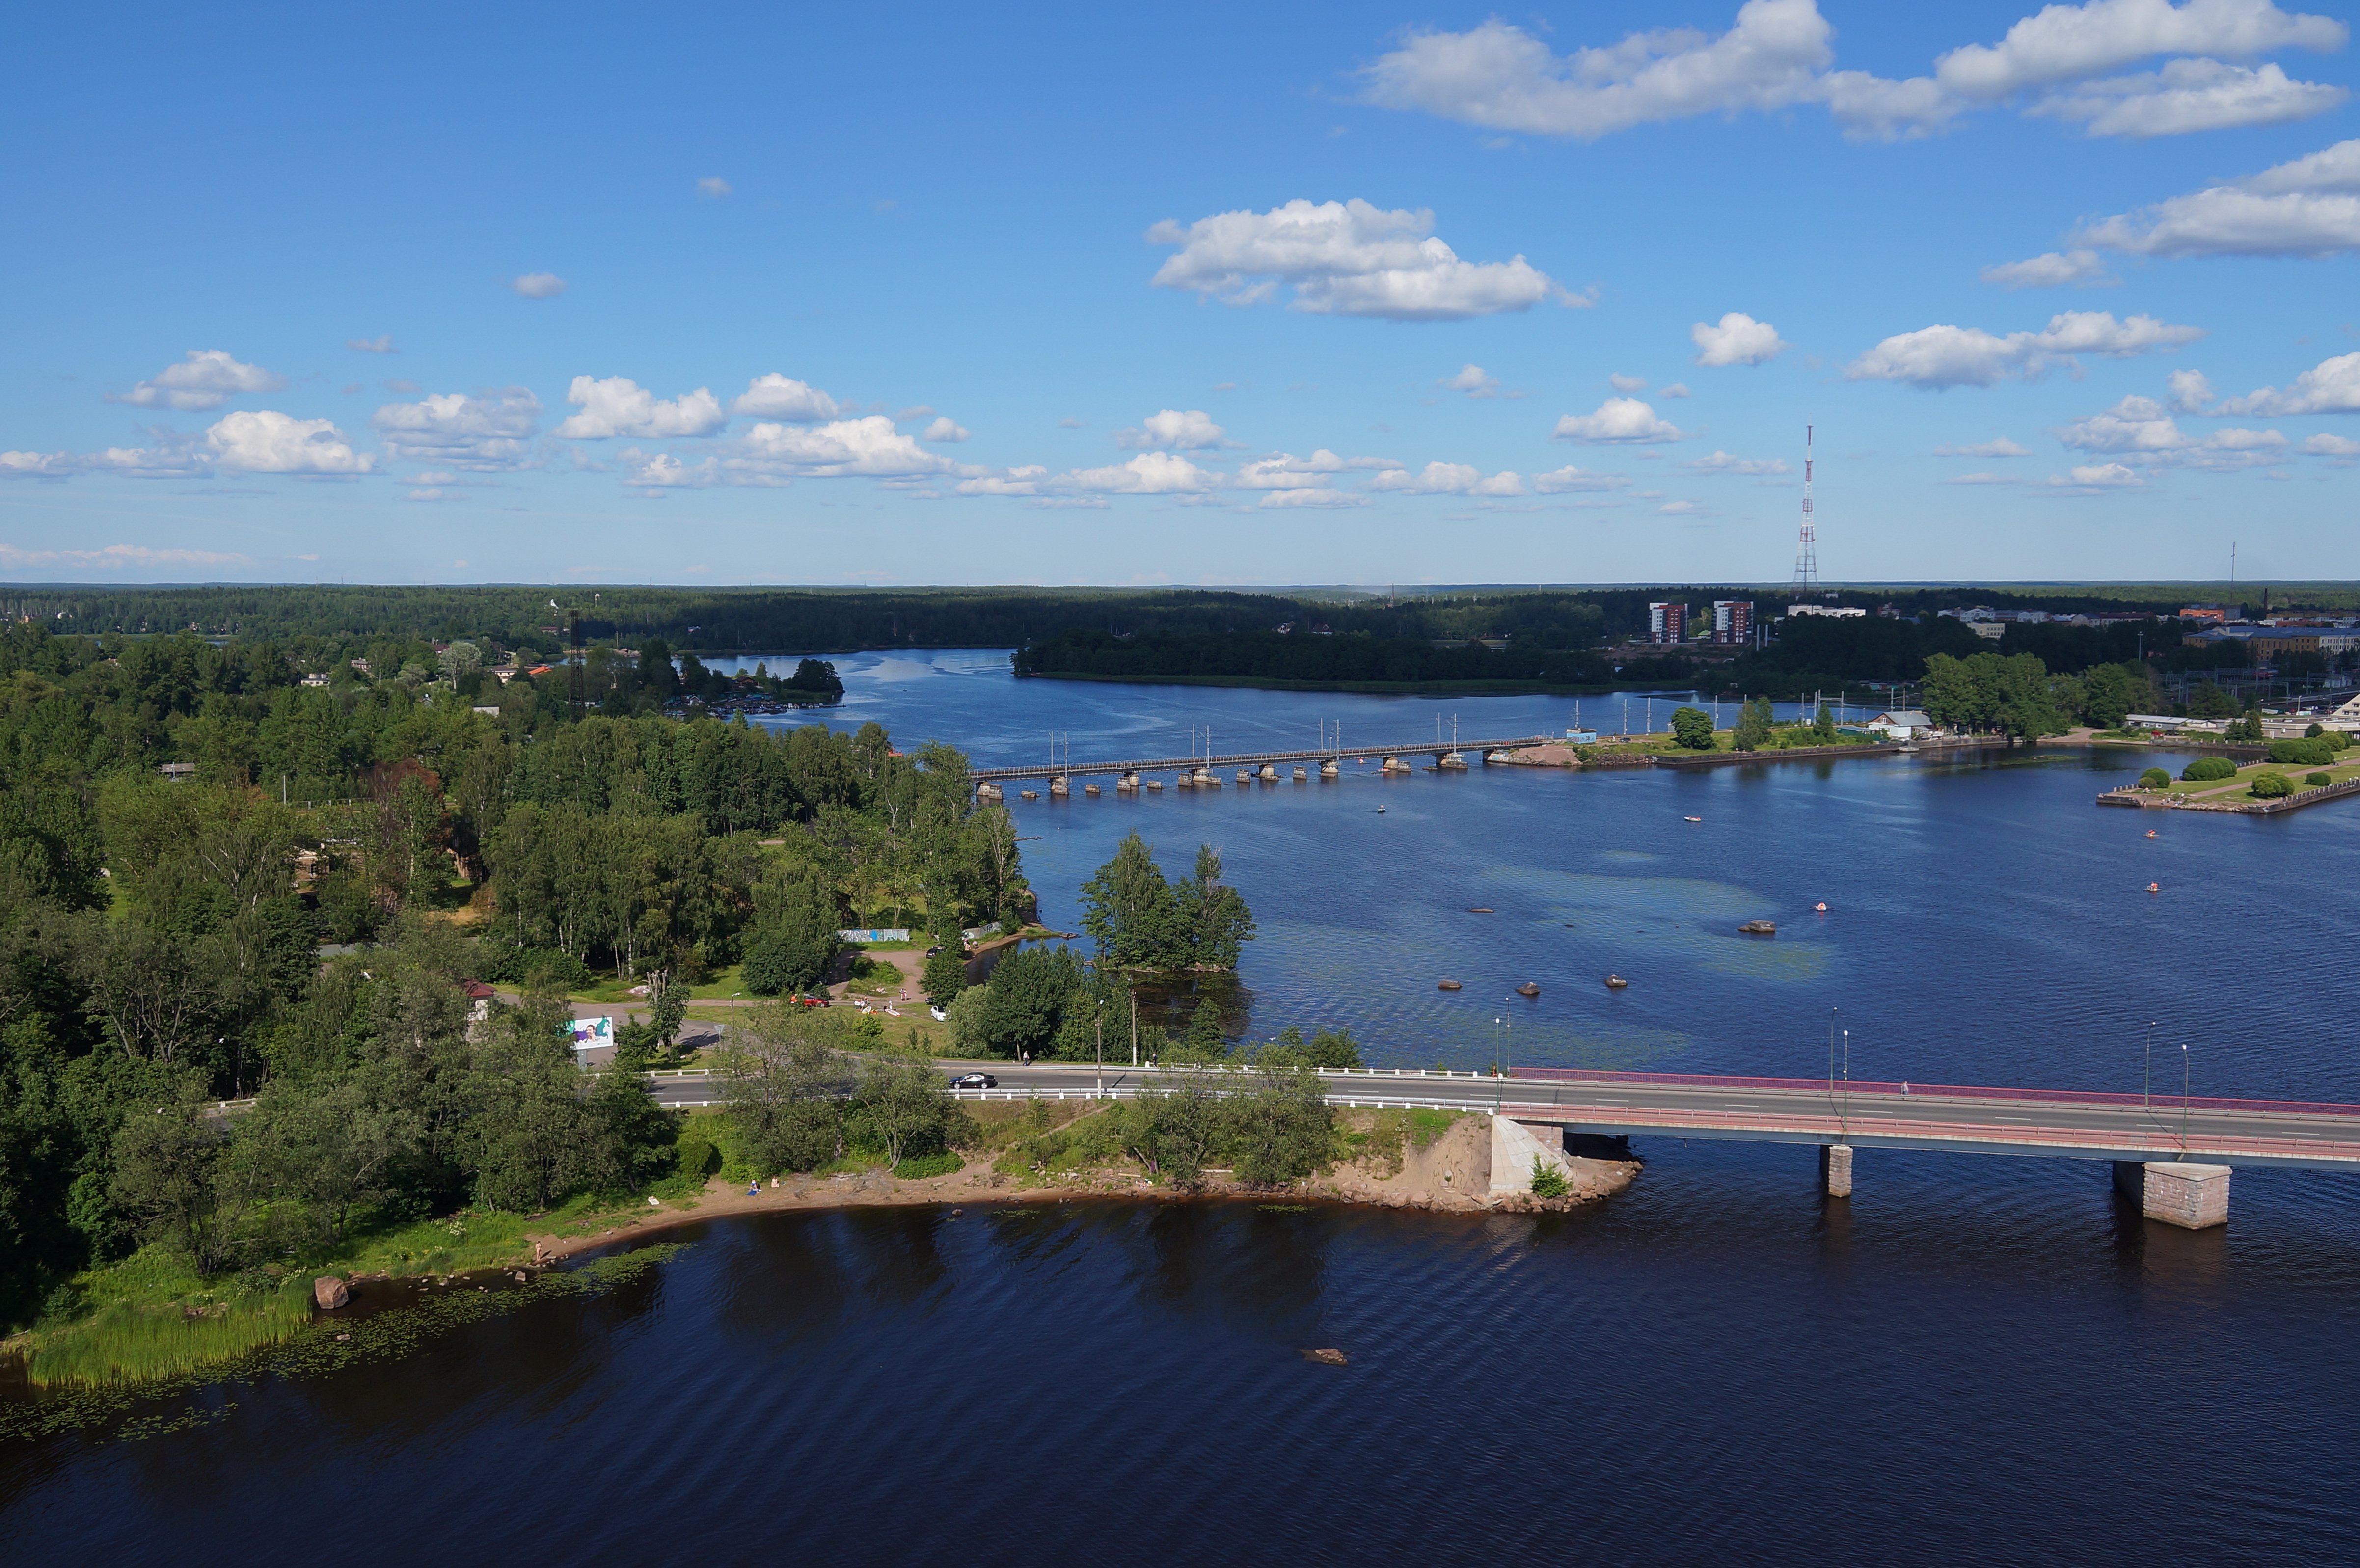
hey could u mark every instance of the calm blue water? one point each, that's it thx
(1976, 1360)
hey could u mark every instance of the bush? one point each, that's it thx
(2272, 786)
(1548, 1181)
(2154, 779)
(919, 1167)
(1692, 729)
(2209, 770)
(2316, 779)
(2317, 752)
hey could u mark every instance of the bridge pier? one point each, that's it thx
(1060, 786)
(1394, 765)
(1204, 779)
(1329, 768)
(1450, 762)
(1128, 782)
(1269, 772)
(987, 794)
(1835, 1169)
(2194, 1197)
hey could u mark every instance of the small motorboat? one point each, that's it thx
(1760, 928)
(1381, 811)
(1479, 909)
(1691, 819)
(2150, 832)
(1445, 984)
(1528, 989)
(1822, 906)
(2153, 888)
(1616, 983)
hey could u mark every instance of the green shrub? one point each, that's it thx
(2317, 752)
(2316, 779)
(2209, 770)
(2154, 779)
(1548, 1181)
(2272, 786)
(919, 1167)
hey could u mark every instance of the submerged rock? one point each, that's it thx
(329, 1292)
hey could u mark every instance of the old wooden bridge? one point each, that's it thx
(1204, 771)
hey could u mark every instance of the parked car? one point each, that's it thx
(814, 1001)
(975, 1081)
(942, 1015)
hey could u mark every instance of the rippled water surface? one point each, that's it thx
(1975, 1359)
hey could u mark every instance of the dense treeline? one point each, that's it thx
(161, 936)
(768, 619)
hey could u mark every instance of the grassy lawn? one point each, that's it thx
(2240, 785)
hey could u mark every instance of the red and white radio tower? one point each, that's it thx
(1807, 554)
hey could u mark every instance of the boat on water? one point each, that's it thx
(1445, 984)
(1528, 989)
(1760, 928)
(1616, 983)
(1381, 811)
(1691, 819)
(1481, 910)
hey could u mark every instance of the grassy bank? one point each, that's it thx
(152, 1316)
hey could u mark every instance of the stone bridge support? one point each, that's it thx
(1128, 782)
(2195, 1197)
(1060, 786)
(1835, 1169)
(1328, 768)
(1269, 772)
(1394, 765)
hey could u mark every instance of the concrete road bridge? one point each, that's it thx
(2171, 1155)
(1205, 771)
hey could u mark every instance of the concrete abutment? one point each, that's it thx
(1835, 1169)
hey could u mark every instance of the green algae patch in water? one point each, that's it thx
(324, 1345)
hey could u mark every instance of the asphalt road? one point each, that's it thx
(2099, 1128)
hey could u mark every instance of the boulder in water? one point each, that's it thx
(1445, 984)
(331, 1292)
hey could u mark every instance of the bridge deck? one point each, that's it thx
(1248, 758)
(1941, 1117)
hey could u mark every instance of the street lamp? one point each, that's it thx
(2183, 1099)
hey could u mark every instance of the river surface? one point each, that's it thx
(1975, 1360)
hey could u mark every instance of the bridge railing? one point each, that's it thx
(1935, 1091)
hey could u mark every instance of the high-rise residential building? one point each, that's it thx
(1732, 621)
(1667, 623)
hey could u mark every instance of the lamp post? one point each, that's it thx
(2183, 1099)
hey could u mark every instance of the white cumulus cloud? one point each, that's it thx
(2330, 446)
(1617, 420)
(2097, 478)
(2063, 43)
(2191, 390)
(618, 406)
(206, 379)
(945, 429)
(1284, 471)
(269, 442)
(2330, 387)
(1149, 474)
(1622, 383)
(485, 433)
(539, 285)
(1472, 380)
(1724, 462)
(1345, 259)
(662, 470)
(1312, 498)
(1942, 357)
(2306, 206)
(1499, 76)
(866, 446)
(2050, 271)
(2188, 95)
(1450, 479)
(1188, 430)
(776, 397)
(1739, 339)
(1998, 447)
(1558, 481)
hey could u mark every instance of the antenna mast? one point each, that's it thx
(1807, 554)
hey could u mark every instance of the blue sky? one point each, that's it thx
(1244, 295)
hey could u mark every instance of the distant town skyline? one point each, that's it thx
(1316, 295)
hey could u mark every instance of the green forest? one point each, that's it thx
(161, 935)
